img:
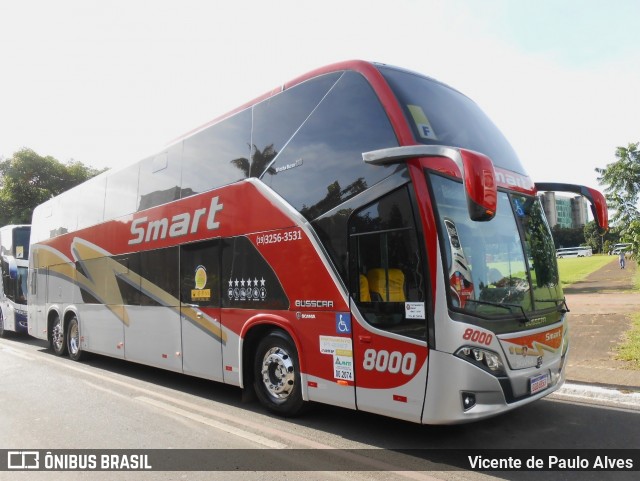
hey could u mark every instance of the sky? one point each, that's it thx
(109, 83)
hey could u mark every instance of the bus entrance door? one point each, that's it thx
(388, 304)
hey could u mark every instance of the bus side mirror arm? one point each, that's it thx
(595, 198)
(478, 174)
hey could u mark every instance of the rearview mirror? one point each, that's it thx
(476, 169)
(595, 198)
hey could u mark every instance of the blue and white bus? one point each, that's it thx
(14, 264)
(582, 251)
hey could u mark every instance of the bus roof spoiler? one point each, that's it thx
(476, 169)
(595, 198)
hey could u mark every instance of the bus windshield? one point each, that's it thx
(15, 289)
(440, 115)
(503, 267)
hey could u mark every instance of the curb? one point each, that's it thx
(613, 396)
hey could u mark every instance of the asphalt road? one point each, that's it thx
(53, 403)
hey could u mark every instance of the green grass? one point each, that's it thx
(629, 350)
(574, 269)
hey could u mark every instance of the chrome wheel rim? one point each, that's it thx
(58, 336)
(74, 339)
(278, 373)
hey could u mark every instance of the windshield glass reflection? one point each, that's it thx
(506, 266)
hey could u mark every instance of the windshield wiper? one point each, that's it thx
(561, 304)
(509, 307)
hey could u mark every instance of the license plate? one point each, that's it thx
(539, 383)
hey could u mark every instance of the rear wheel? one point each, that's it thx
(277, 375)
(57, 340)
(73, 339)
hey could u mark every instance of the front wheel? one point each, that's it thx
(73, 339)
(57, 340)
(277, 375)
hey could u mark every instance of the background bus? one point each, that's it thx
(581, 251)
(328, 242)
(14, 262)
(617, 248)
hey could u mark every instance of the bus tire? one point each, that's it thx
(73, 339)
(1, 325)
(277, 375)
(57, 339)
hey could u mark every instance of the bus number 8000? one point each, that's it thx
(393, 362)
(477, 336)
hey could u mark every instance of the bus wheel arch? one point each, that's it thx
(273, 361)
(57, 333)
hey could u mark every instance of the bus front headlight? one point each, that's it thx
(483, 358)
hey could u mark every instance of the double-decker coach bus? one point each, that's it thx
(14, 259)
(363, 236)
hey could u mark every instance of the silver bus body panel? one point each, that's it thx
(101, 331)
(153, 337)
(201, 352)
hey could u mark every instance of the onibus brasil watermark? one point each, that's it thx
(44, 460)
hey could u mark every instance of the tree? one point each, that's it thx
(600, 241)
(567, 236)
(622, 181)
(28, 179)
(260, 159)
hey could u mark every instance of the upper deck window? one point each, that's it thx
(321, 166)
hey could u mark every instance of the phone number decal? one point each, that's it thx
(288, 236)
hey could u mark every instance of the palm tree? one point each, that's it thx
(260, 161)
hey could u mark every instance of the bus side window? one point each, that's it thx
(386, 266)
(121, 197)
(321, 166)
(200, 273)
(247, 279)
(217, 155)
(278, 118)
(365, 293)
(159, 178)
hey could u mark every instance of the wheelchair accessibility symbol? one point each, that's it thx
(343, 323)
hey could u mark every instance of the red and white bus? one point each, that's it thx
(363, 236)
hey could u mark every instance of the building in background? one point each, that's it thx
(565, 212)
